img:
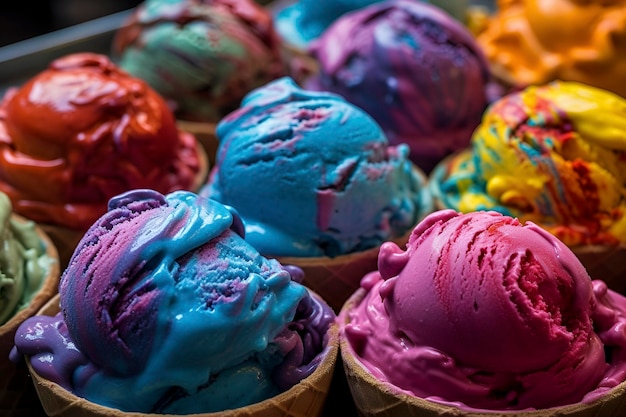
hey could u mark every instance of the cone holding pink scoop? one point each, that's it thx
(374, 398)
(483, 315)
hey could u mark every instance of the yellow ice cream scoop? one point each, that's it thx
(552, 154)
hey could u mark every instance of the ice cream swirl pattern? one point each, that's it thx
(180, 310)
(202, 55)
(554, 154)
(416, 70)
(313, 175)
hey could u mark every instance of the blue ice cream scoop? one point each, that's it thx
(165, 308)
(313, 175)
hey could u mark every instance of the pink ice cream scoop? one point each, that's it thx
(490, 313)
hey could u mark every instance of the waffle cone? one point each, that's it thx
(206, 136)
(305, 399)
(204, 160)
(605, 263)
(374, 398)
(65, 239)
(17, 396)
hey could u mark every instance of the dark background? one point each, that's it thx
(23, 19)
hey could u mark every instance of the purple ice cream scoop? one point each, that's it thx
(415, 69)
(165, 308)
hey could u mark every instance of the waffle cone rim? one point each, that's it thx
(204, 165)
(206, 135)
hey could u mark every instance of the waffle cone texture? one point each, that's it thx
(17, 396)
(305, 399)
(607, 263)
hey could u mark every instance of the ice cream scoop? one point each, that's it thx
(312, 175)
(300, 22)
(417, 71)
(483, 312)
(24, 261)
(552, 154)
(533, 42)
(165, 308)
(203, 56)
(29, 278)
(82, 131)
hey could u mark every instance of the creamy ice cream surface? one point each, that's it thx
(552, 154)
(82, 131)
(166, 309)
(203, 56)
(533, 42)
(312, 175)
(300, 22)
(484, 312)
(416, 70)
(24, 262)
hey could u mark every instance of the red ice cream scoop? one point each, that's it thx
(83, 131)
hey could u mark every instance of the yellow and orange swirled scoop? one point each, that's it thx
(532, 42)
(554, 155)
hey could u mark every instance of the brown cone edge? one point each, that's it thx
(335, 279)
(205, 135)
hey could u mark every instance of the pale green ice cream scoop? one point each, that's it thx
(202, 56)
(24, 262)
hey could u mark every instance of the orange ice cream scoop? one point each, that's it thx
(83, 131)
(530, 42)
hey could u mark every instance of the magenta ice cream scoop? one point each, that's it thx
(413, 68)
(483, 311)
